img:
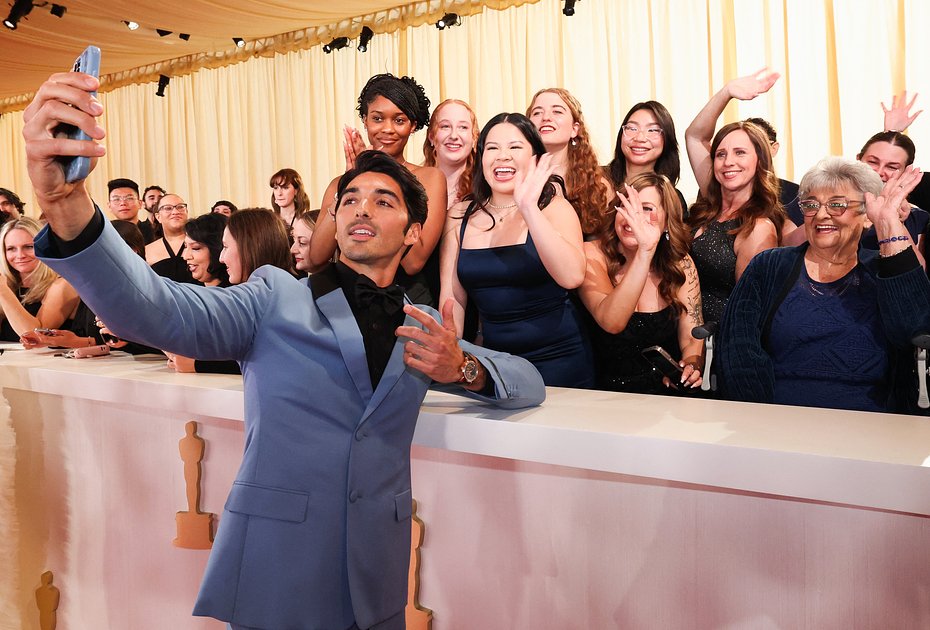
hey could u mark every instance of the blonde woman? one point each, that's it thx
(33, 295)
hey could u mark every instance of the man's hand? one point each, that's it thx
(435, 351)
(64, 98)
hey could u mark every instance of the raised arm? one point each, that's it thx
(435, 184)
(612, 306)
(556, 230)
(115, 282)
(58, 304)
(448, 268)
(67, 206)
(323, 240)
(700, 132)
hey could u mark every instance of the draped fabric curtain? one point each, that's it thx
(221, 132)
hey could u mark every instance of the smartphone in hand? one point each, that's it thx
(78, 167)
(664, 363)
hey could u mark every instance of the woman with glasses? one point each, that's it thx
(827, 323)
(738, 213)
(646, 143)
(166, 255)
(558, 118)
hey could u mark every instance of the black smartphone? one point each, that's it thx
(78, 167)
(663, 361)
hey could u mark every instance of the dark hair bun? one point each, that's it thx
(408, 95)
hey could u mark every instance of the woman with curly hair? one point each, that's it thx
(32, 296)
(642, 290)
(391, 109)
(288, 196)
(450, 144)
(646, 142)
(738, 213)
(558, 118)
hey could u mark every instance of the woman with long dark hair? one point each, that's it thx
(516, 251)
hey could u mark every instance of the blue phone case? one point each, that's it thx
(77, 168)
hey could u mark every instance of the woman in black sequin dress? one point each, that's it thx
(738, 213)
(642, 290)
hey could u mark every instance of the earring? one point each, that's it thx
(667, 237)
(574, 142)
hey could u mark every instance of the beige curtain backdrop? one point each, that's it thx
(220, 133)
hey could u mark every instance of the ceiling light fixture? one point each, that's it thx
(569, 9)
(162, 32)
(336, 44)
(449, 19)
(131, 25)
(365, 38)
(184, 36)
(239, 42)
(18, 11)
(162, 84)
(58, 10)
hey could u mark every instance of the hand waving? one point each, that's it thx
(352, 145)
(646, 233)
(529, 186)
(752, 85)
(898, 117)
(887, 207)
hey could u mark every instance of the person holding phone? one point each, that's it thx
(642, 290)
(316, 530)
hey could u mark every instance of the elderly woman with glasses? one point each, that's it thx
(827, 323)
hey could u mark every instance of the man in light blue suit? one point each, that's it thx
(316, 530)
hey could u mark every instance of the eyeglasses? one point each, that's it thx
(631, 131)
(123, 198)
(182, 207)
(835, 208)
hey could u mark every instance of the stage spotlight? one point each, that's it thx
(131, 25)
(239, 42)
(449, 19)
(57, 10)
(162, 32)
(569, 7)
(184, 36)
(19, 10)
(336, 44)
(364, 38)
(162, 84)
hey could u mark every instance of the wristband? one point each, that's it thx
(892, 239)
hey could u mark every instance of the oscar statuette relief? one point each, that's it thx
(195, 528)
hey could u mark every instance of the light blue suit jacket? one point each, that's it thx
(316, 528)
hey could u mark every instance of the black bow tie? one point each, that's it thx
(368, 294)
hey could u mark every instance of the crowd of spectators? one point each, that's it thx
(601, 276)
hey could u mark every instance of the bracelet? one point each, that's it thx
(892, 239)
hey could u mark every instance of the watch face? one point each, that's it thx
(470, 369)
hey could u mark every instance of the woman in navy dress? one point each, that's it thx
(516, 251)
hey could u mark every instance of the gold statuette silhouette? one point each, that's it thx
(418, 617)
(195, 528)
(47, 598)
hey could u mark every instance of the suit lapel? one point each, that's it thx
(327, 293)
